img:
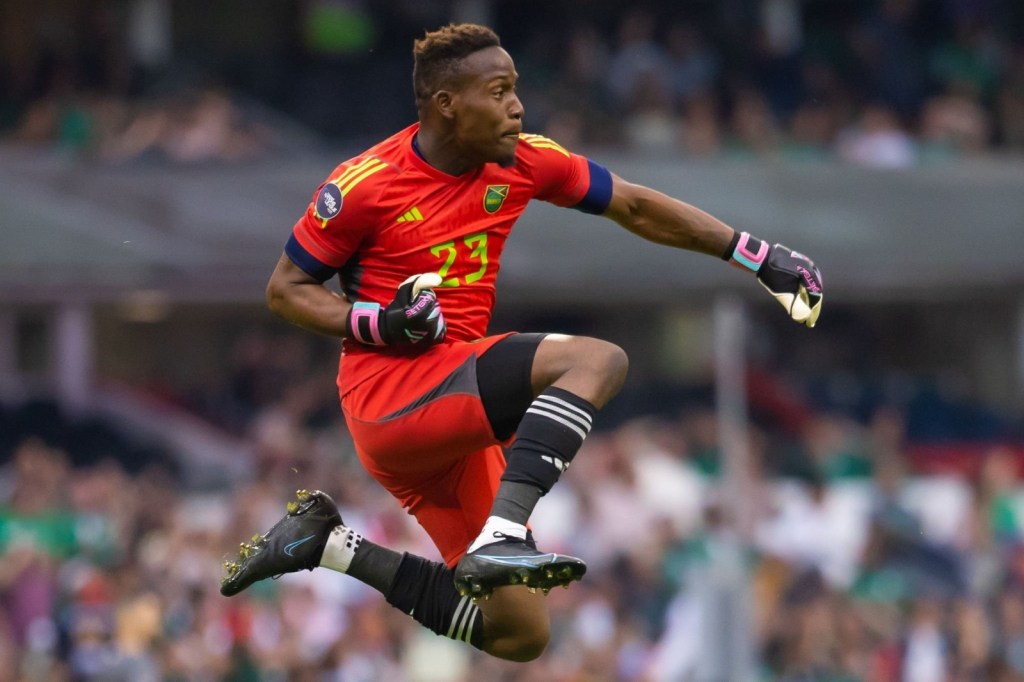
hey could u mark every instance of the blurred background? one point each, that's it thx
(762, 502)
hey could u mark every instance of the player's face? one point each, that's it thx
(489, 115)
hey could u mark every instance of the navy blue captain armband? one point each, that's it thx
(307, 262)
(599, 195)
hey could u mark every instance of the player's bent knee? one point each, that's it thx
(591, 368)
(609, 362)
(524, 646)
(616, 364)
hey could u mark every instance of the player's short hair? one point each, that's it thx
(437, 55)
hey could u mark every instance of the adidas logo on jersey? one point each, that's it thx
(409, 216)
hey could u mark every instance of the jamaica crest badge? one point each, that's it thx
(494, 197)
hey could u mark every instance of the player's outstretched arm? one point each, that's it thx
(413, 317)
(661, 219)
(790, 277)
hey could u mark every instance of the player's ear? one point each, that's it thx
(444, 102)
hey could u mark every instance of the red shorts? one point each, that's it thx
(420, 430)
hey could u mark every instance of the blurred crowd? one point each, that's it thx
(852, 564)
(885, 83)
(190, 127)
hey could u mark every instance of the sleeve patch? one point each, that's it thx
(599, 194)
(328, 203)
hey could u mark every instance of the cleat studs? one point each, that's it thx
(302, 494)
(487, 597)
(533, 590)
(256, 539)
(475, 599)
(565, 586)
(545, 590)
(292, 508)
(550, 574)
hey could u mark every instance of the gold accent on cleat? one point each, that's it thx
(302, 494)
(244, 550)
(292, 508)
(256, 539)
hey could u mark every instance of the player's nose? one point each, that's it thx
(516, 109)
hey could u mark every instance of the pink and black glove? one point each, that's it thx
(413, 318)
(792, 278)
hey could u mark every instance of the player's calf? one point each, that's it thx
(517, 626)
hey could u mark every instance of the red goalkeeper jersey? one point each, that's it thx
(387, 214)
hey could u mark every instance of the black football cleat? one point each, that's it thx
(296, 542)
(512, 561)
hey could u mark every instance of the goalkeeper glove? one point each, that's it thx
(413, 318)
(792, 278)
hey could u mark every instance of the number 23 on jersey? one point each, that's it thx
(465, 254)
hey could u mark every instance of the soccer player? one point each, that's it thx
(414, 228)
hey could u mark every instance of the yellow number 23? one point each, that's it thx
(476, 245)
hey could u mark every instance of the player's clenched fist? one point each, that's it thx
(413, 317)
(792, 278)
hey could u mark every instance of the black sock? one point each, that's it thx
(375, 565)
(422, 589)
(426, 591)
(550, 434)
(515, 501)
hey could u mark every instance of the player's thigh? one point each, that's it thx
(504, 376)
(420, 432)
(515, 370)
(453, 507)
(591, 368)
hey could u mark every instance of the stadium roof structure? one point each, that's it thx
(96, 233)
